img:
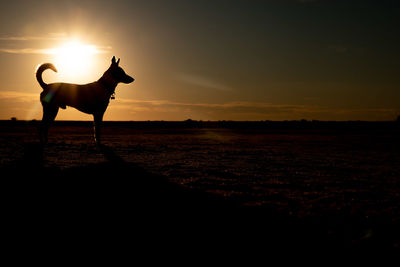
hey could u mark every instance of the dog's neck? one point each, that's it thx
(108, 82)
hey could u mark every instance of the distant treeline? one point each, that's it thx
(302, 124)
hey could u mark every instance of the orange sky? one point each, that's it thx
(210, 60)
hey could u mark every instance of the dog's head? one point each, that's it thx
(118, 73)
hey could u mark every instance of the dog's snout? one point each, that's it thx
(129, 79)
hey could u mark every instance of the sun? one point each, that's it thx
(74, 60)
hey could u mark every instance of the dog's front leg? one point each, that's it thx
(98, 118)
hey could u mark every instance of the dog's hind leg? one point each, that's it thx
(49, 114)
(98, 118)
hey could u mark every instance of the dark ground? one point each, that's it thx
(254, 186)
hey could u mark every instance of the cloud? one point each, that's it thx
(239, 110)
(247, 110)
(49, 51)
(202, 81)
(18, 44)
(20, 97)
(27, 106)
(57, 36)
(23, 51)
(97, 49)
(21, 105)
(32, 38)
(229, 105)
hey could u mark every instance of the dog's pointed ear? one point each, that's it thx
(118, 61)
(113, 60)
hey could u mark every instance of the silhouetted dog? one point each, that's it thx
(91, 98)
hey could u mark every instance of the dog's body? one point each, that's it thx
(91, 98)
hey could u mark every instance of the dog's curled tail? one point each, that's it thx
(40, 70)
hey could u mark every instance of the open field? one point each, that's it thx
(329, 183)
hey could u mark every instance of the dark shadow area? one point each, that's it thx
(110, 155)
(117, 199)
(33, 155)
(114, 199)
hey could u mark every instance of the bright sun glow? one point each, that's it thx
(74, 60)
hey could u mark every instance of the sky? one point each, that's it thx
(209, 60)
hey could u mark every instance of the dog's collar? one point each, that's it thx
(109, 86)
